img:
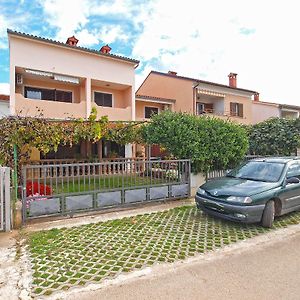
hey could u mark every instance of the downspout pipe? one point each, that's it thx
(194, 97)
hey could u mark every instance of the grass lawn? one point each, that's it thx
(72, 185)
(63, 258)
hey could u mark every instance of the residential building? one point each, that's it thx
(161, 91)
(289, 111)
(58, 80)
(4, 105)
(262, 111)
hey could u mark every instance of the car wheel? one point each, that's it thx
(268, 214)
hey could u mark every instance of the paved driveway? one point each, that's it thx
(266, 267)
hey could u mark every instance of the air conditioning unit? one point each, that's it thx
(19, 79)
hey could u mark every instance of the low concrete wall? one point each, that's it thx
(196, 181)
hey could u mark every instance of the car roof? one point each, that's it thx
(284, 159)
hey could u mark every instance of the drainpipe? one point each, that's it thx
(194, 97)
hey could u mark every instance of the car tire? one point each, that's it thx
(268, 214)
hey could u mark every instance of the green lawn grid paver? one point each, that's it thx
(68, 257)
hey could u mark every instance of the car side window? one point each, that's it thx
(293, 171)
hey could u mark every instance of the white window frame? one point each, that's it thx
(197, 110)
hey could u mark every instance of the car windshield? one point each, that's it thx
(258, 171)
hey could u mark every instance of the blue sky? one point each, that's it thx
(196, 38)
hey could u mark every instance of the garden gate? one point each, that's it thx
(65, 189)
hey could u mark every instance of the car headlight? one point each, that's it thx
(239, 199)
(201, 191)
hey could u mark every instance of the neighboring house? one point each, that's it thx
(58, 80)
(289, 111)
(161, 91)
(262, 111)
(4, 105)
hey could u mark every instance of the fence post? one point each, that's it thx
(189, 176)
(7, 200)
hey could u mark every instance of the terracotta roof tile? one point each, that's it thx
(50, 41)
(154, 98)
(201, 81)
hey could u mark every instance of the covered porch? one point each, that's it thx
(84, 151)
(209, 102)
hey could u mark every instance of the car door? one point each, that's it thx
(290, 194)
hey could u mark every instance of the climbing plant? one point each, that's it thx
(24, 133)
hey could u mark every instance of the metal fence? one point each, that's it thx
(221, 172)
(64, 189)
(5, 208)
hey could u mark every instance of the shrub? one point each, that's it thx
(209, 142)
(275, 136)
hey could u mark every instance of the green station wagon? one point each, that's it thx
(254, 192)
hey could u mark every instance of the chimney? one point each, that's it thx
(232, 80)
(72, 41)
(172, 73)
(256, 96)
(105, 49)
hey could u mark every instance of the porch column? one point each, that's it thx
(88, 93)
(128, 150)
(133, 102)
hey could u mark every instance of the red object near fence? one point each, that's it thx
(34, 187)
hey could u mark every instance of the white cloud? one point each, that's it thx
(66, 15)
(74, 19)
(4, 88)
(209, 39)
(111, 33)
(87, 38)
(116, 7)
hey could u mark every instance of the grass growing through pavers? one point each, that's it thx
(62, 258)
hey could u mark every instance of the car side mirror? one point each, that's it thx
(294, 180)
(228, 171)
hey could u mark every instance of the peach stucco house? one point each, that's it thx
(262, 111)
(161, 91)
(63, 80)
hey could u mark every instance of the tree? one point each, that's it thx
(275, 136)
(210, 143)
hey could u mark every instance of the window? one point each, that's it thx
(103, 99)
(202, 108)
(47, 94)
(258, 171)
(149, 111)
(236, 109)
(293, 171)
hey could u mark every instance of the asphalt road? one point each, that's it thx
(269, 269)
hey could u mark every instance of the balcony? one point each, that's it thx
(114, 113)
(49, 109)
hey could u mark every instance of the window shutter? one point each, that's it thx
(103, 99)
(232, 110)
(209, 107)
(240, 112)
